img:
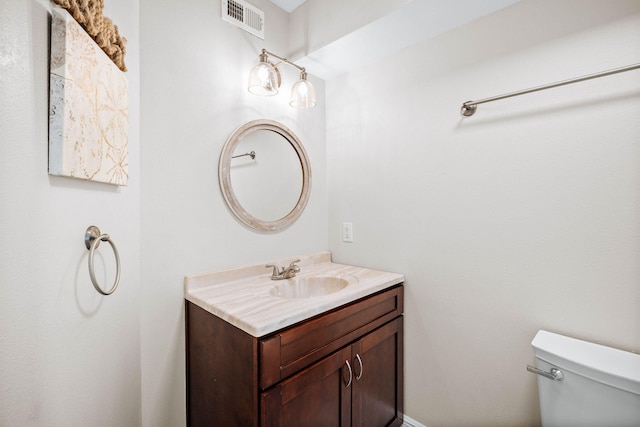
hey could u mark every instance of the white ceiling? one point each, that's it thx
(412, 23)
(288, 5)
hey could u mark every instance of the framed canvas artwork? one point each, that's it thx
(88, 107)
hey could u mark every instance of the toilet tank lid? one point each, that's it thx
(608, 365)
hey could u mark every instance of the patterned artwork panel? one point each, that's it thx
(88, 107)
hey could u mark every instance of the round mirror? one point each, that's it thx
(265, 176)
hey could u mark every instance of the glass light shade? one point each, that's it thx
(263, 80)
(303, 95)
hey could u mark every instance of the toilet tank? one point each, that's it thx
(600, 385)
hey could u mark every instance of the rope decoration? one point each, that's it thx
(88, 13)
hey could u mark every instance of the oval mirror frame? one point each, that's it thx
(224, 175)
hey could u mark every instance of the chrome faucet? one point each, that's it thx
(284, 272)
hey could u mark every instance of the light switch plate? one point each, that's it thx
(347, 232)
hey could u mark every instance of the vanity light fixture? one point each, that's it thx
(265, 80)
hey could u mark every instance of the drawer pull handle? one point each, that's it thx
(358, 376)
(350, 374)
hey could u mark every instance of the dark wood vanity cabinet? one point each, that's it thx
(341, 368)
(358, 385)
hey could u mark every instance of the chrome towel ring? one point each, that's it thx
(92, 238)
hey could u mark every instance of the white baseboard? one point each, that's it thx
(410, 422)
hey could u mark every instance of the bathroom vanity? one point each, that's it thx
(258, 357)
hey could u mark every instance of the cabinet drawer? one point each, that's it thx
(295, 348)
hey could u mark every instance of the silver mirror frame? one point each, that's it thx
(224, 175)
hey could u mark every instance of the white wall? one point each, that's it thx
(524, 216)
(68, 355)
(195, 69)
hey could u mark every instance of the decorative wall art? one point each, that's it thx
(88, 106)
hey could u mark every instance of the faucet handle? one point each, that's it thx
(276, 271)
(294, 267)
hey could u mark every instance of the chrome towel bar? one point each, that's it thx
(470, 107)
(92, 238)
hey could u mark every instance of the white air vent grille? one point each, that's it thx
(243, 15)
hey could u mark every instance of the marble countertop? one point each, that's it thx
(241, 296)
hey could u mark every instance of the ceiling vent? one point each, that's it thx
(244, 15)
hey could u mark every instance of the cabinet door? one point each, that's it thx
(318, 396)
(378, 373)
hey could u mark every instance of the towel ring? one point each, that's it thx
(92, 238)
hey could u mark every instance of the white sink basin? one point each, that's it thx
(308, 287)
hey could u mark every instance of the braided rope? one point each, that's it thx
(88, 13)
